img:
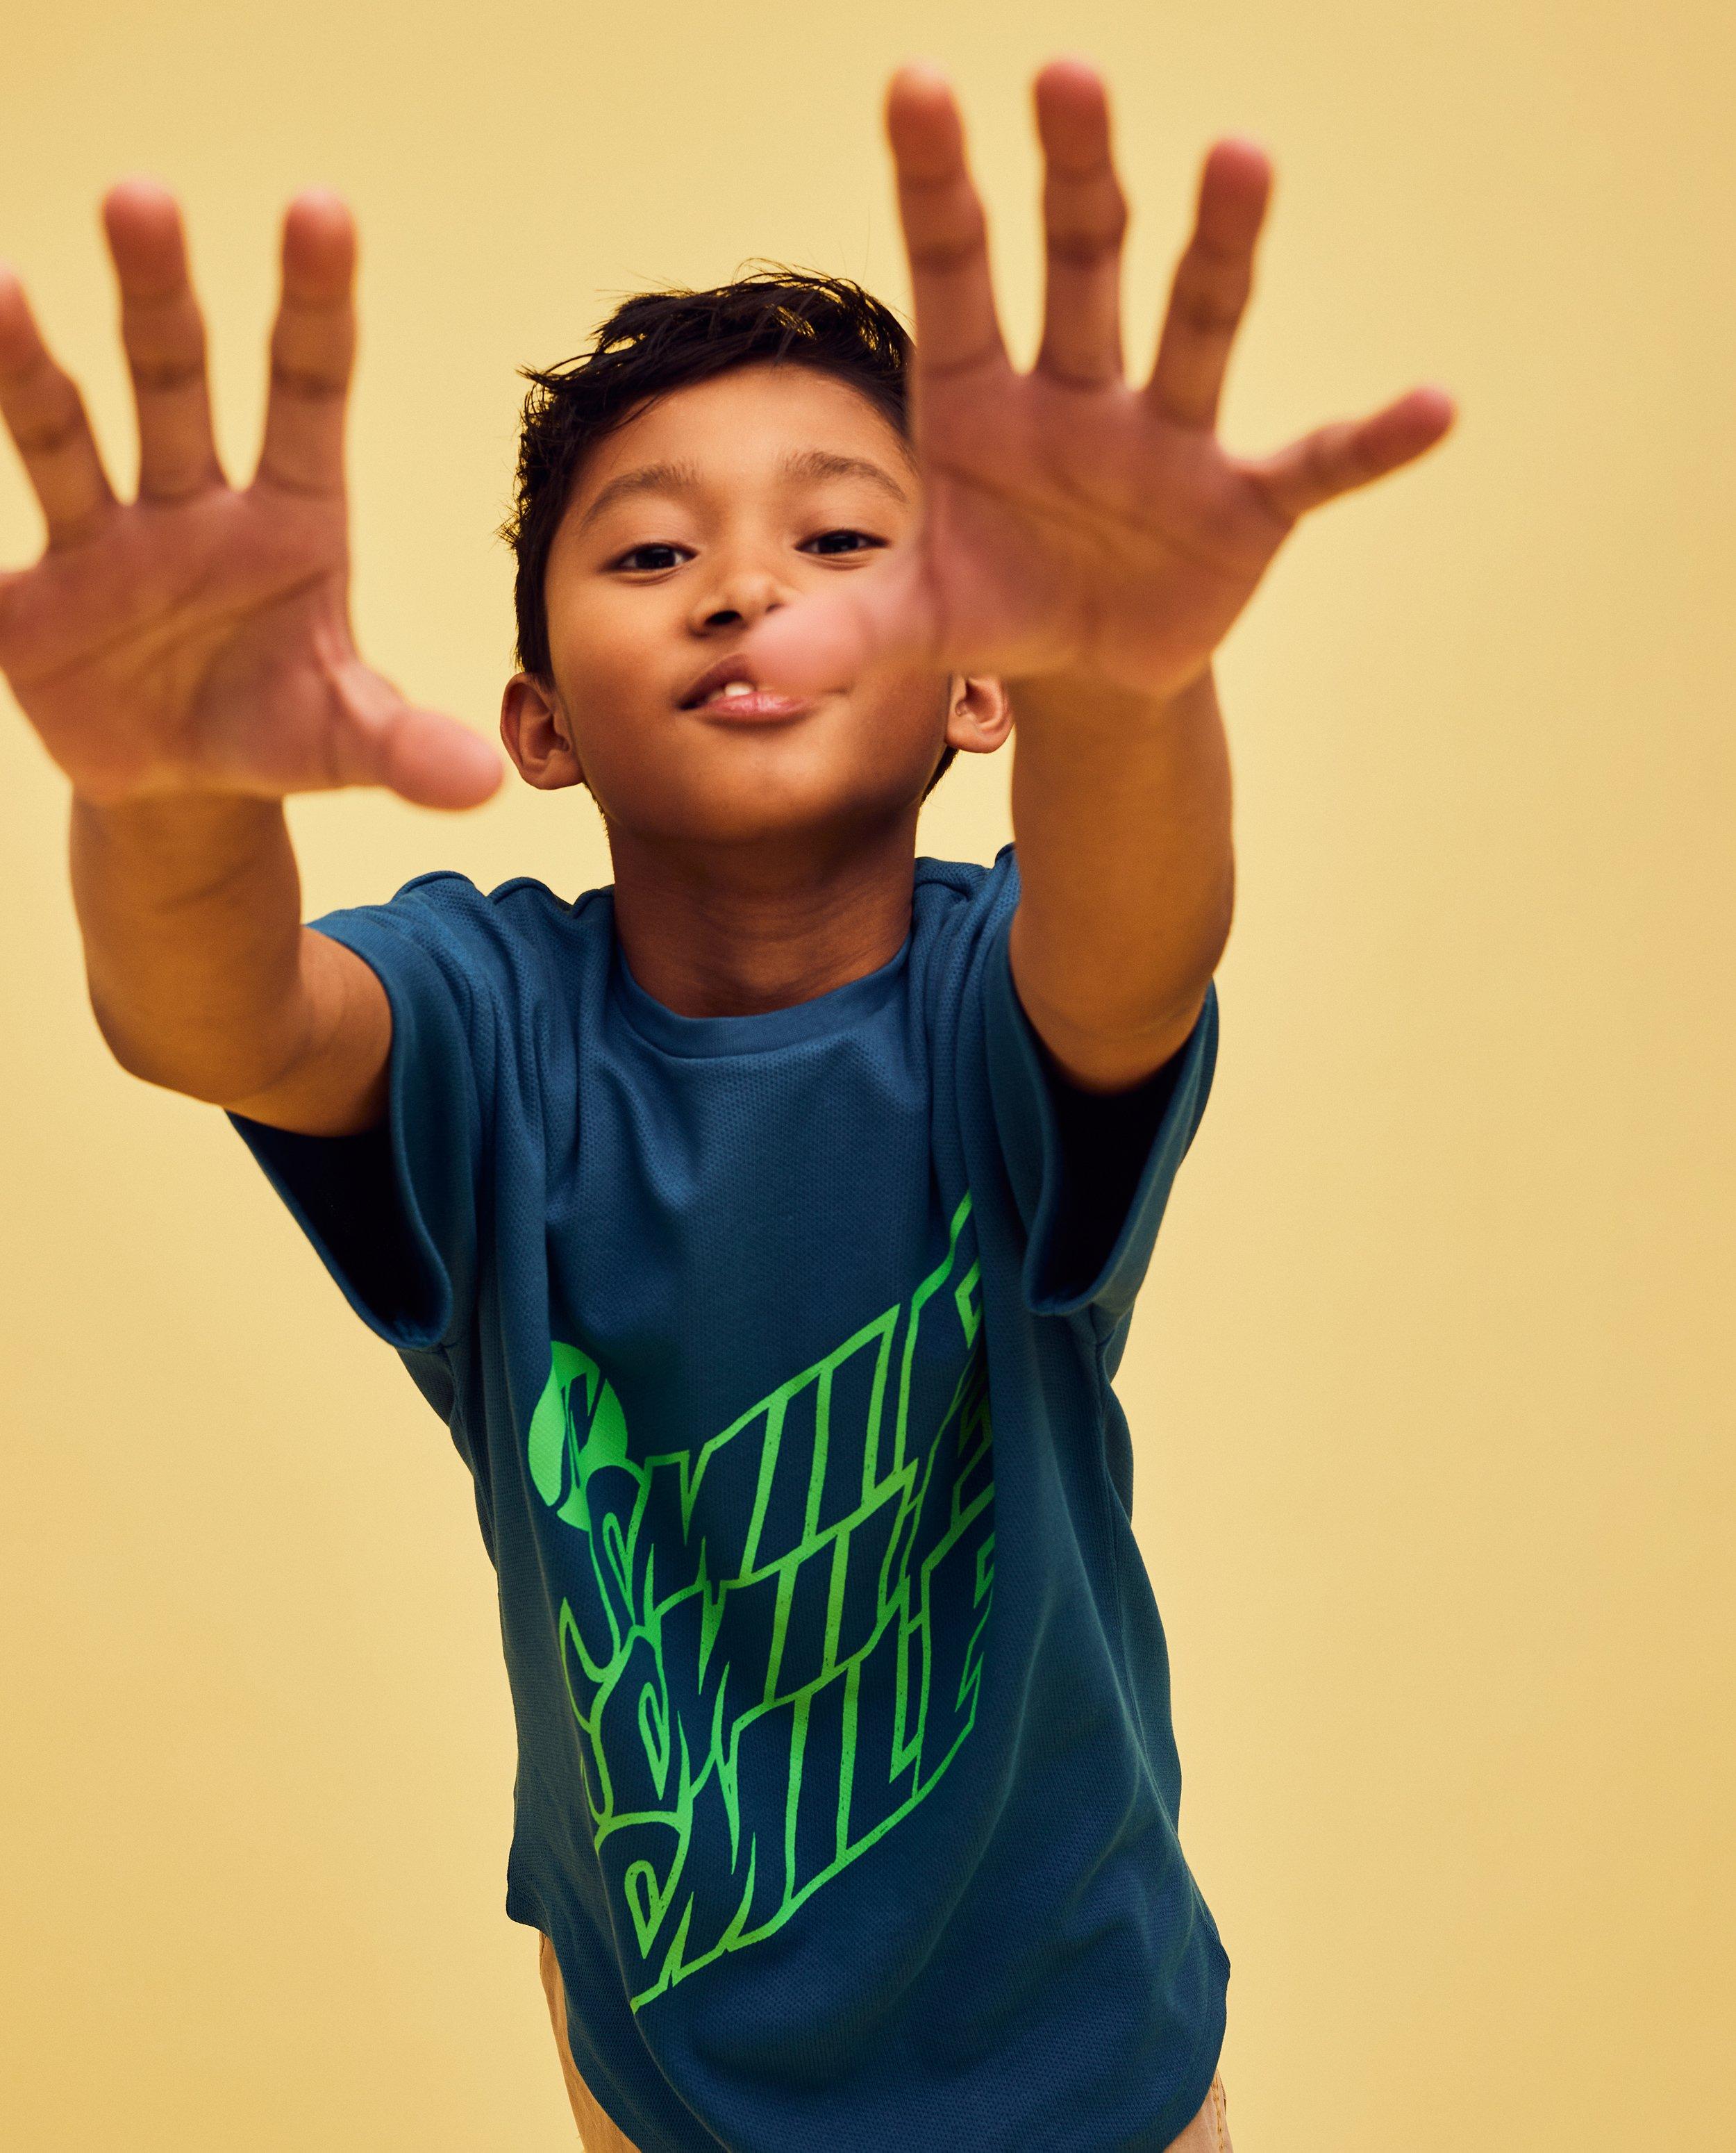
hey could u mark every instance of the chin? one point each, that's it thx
(768, 805)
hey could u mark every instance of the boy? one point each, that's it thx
(765, 1225)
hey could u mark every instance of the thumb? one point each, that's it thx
(828, 638)
(435, 762)
(422, 756)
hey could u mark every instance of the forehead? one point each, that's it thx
(752, 424)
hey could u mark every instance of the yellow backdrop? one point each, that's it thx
(1431, 1381)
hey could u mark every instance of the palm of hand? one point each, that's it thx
(1071, 523)
(198, 640)
(204, 624)
(1067, 530)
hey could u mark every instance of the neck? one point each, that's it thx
(738, 930)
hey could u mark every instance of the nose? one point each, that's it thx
(742, 593)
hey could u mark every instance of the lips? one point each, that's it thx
(757, 704)
(717, 675)
(758, 709)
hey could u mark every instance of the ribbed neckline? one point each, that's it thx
(832, 1012)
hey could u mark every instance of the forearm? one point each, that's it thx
(189, 909)
(1121, 815)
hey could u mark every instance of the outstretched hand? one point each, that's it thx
(197, 639)
(1072, 524)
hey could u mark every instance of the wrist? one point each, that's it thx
(176, 851)
(1080, 700)
(174, 819)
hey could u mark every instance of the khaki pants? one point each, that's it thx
(1208, 2133)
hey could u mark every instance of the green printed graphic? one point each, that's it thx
(776, 1646)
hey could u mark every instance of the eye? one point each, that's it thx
(635, 561)
(822, 537)
(630, 560)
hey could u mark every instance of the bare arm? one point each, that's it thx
(1090, 543)
(186, 659)
(202, 978)
(1121, 810)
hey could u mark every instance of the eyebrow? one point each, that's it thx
(682, 477)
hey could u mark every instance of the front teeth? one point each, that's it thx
(736, 688)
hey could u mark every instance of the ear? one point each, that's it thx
(535, 733)
(979, 713)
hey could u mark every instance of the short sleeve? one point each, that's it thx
(1091, 1175)
(393, 1212)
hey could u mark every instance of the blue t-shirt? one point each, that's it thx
(778, 1349)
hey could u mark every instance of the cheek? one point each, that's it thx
(907, 706)
(606, 666)
(595, 649)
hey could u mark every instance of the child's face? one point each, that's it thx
(650, 586)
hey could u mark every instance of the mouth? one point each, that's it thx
(754, 706)
(727, 691)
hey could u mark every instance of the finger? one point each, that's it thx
(826, 641)
(945, 231)
(1212, 283)
(434, 761)
(312, 350)
(163, 334)
(1339, 458)
(13, 584)
(422, 756)
(1085, 221)
(45, 416)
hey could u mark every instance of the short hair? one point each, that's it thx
(656, 341)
